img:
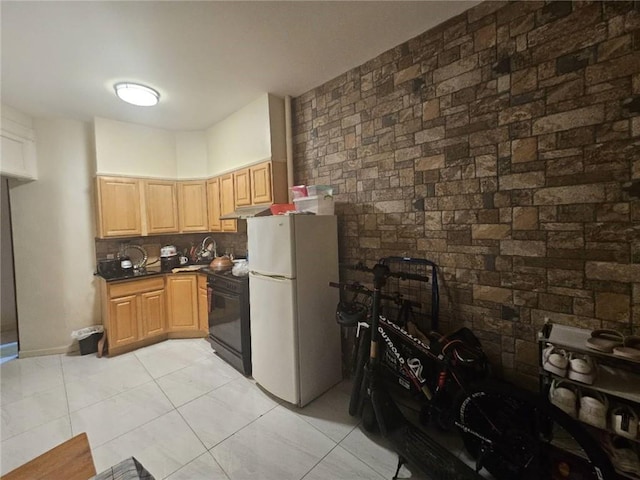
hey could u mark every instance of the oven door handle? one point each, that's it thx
(226, 295)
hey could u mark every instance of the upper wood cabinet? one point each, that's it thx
(133, 207)
(227, 202)
(242, 187)
(261, 188)
(161, 206)
(192, 202)
(268, 182)
(213, 204)
(118, 207)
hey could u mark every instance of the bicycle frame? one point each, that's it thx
(492, 437)
(412, 366)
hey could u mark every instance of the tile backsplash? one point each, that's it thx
(224, 241)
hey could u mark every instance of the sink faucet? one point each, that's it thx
(203, 247)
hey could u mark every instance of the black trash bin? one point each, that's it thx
(90, 344)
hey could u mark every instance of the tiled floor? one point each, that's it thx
(184, 414)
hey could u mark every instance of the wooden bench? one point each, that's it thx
(70, 460)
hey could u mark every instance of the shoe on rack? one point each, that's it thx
(624, 421)
(555, 360)
(622, 454)
(593, 409)
(605, 340)
(563, 396)
(582, 369)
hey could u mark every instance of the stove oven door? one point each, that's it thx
(225, 318)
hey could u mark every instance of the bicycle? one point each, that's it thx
(510, 432)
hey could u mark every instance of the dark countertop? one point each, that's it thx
(156, 270)
(142, 273)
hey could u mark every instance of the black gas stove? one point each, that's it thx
(229, 318)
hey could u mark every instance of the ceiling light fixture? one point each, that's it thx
(137, 94)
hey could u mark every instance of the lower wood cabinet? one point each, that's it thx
(140, 312)
(183, 302)
(203, 305)
(153, 313)
(123, 324)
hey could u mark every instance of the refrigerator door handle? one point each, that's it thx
(275, 277)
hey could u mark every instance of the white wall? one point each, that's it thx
(240, 139)
(277, 130)
(191, 154)
(134, 150)
(53, 228)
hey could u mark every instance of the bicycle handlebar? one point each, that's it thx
(401, 275)
(356, 287)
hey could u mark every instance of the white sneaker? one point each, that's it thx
(582, 369)
(624, 421)
(563, 396)
(555, 361)
(593, 409)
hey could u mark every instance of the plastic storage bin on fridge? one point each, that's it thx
(319, 204)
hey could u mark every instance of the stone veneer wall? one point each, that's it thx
(497, 145)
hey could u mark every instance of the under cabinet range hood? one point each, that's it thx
(248, 212)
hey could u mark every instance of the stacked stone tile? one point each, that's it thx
(497, 145)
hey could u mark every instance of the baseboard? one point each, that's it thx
(46, 351)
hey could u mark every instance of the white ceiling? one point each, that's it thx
(207, 59)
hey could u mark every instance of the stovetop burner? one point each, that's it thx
(225, 274)
(226, 280)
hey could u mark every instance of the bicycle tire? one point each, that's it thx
(521, 442)
(355, 401)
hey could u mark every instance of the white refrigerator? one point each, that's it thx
(295, 339)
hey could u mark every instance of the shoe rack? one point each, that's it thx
(618, 378)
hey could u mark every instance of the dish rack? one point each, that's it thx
(137, 254)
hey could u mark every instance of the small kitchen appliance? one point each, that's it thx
(109, 268)
(125, 264)
(169, 258)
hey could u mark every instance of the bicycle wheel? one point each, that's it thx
(515, 434)
(355, 401)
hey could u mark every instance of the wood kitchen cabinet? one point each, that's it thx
(133, 312)
(242, 187)
(213, 204)
(118, 207)
(261, 191)
(192, 202)
(139, 312)
(153, 313)
(203, 305)
(264, 183)
(123, 321)
(161, 206)
(182, 303)
(227, 202)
